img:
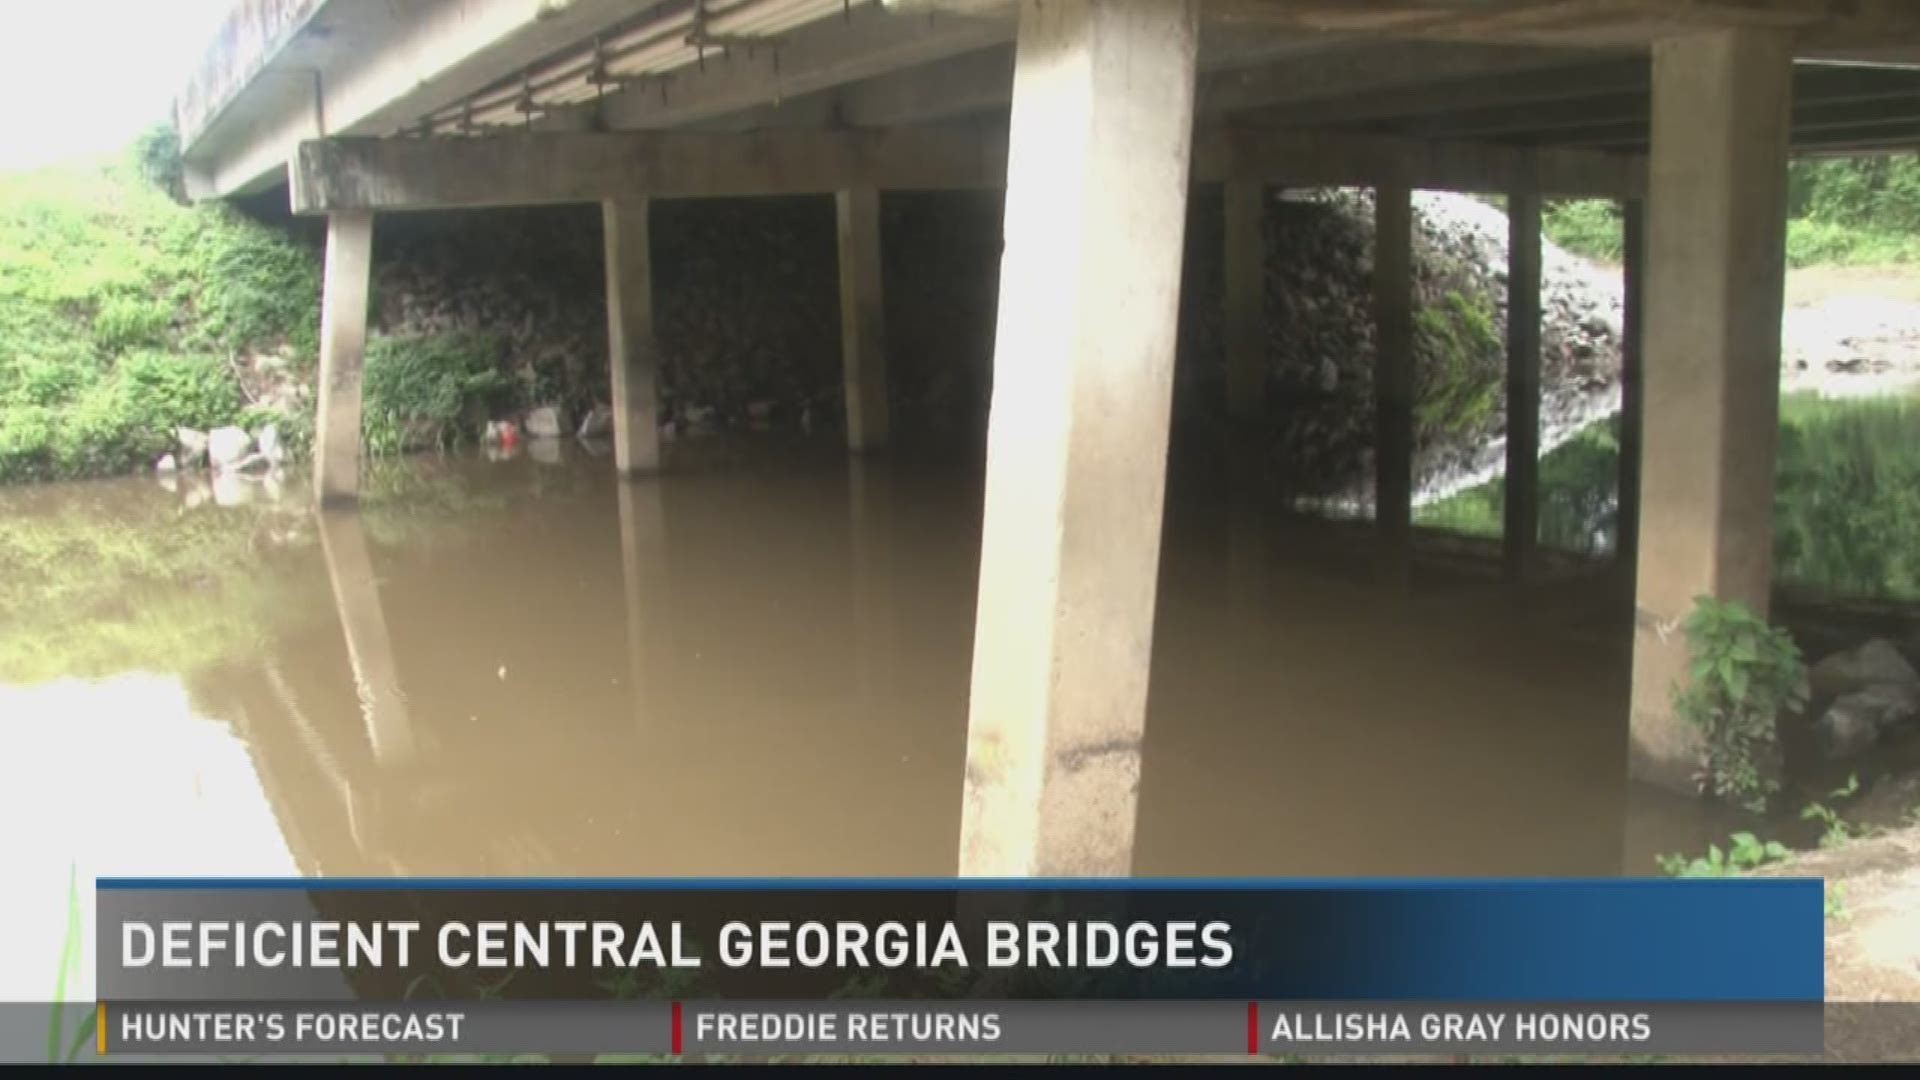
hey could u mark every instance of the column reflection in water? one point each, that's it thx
(643, 562)
(356, 600)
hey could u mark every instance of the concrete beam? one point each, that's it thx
(1370, 76)
(371, 66)
(632, 347)
(869, 41)
(1077, 442)
(1310, 158)
(520, 170)
(1809, 24)
(1246, 298)
(1521, 503)
(343, 357)
(863, 336)
(1524, 78)
(539, 168)
(1715, 277)
(1393, 382)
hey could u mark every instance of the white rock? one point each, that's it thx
(166, 465)
(545, 422)
(193, 445)
(597, 423)
(227, 446)
(268, 439)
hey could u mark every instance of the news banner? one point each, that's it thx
(953, 969)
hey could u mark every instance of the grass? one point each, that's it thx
(432, 389)
(1589, 227)
(63, 1048)
(124, 314)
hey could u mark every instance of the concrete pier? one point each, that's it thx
(343, 358)
(1521, 533)
(1245, 203)
(863, 338)
(1098, 161)
(1633, 327)
(631, 346)
(1393, 377)
(1715, 278)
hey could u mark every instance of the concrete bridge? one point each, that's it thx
(1096, 116)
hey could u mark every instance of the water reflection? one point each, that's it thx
(759, 665)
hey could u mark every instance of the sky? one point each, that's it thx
(83, 77)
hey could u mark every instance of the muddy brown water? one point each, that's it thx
(755, 665)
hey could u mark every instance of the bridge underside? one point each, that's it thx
(1096, 116)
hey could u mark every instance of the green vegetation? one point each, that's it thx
(1849, 211)
(1577, 483)
(1743, 674)
(1457, 333)
(431, 388)
(126, 581)
(1589, 227)
(1847, 495)
(1744, 852)
(63, 1048)
(1835, 830)
(123, 314)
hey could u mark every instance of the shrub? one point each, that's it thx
(1590, 227)
(1743, 675)
(120, 312)
(430, 381)
(167, 392)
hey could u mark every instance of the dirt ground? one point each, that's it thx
(1873, 924)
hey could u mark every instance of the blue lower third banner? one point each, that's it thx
(959, 968)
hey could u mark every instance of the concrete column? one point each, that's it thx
(1715, 275)
(1393, 375)
(356, 601)
(343, 358)
(1521, 533)
(1626, 521)
(1077, 442)
(631, 346)
(1246, 297)
(863, 324)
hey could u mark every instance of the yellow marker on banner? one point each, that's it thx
(100, 1028)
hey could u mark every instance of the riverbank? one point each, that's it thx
(1873, 922)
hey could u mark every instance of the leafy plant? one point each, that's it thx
(1589, 227)
(421, 387)
(1744, 852)
(1837, 830)
(1743, 675)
